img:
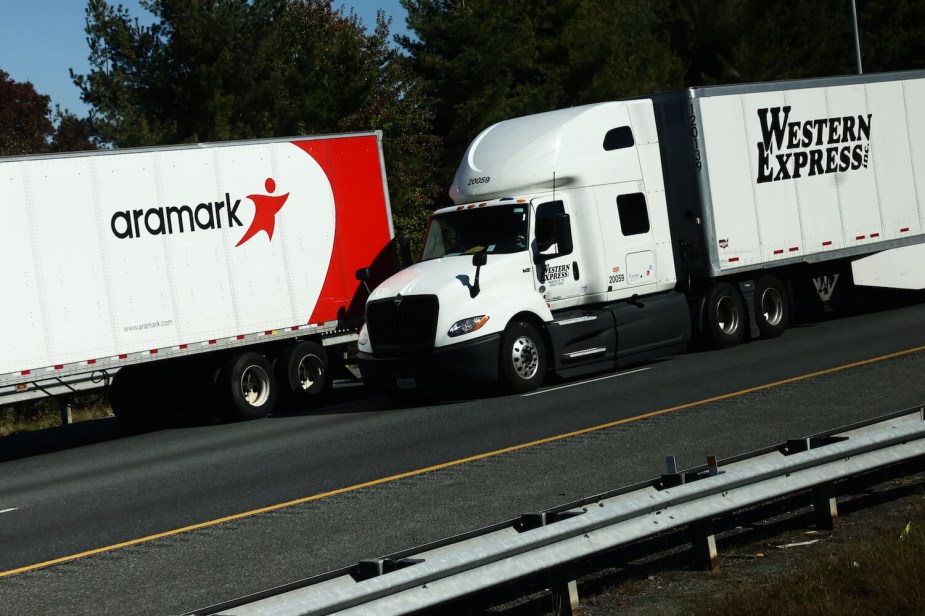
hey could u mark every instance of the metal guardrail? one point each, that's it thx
(449, 571)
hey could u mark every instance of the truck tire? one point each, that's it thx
(249, 386)
(302, 372)
(772, 309)
(523, 358)
(725, 316)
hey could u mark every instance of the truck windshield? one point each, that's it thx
(496, 230)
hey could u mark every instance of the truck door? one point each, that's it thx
(629, 241)
(557, 264)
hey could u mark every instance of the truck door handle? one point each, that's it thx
(575, 269)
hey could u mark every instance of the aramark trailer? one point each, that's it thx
(615, 232)
(226, 267)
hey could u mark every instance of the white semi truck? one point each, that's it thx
(615, 232)
(226, 270)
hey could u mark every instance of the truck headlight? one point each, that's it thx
(467, 326)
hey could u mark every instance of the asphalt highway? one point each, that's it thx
(96, 520)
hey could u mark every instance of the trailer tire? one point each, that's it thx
(725, 316)
(772, 308)
(523, 358)
(249, 386)
(302, 372)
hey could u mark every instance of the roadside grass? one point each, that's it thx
(878, 573)
(45, 413)
(873, 565)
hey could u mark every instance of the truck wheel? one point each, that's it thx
(523, 357)
(302, 373)
(249, 386)
(725, 316)
(772, 310)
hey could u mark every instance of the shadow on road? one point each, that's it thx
(345, 398)
(25, 444)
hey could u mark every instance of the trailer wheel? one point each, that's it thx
(725, 316)
(523, 357)
(249, 386)
(772, 309)
(302, 373)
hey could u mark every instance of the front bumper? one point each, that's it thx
(446, 368)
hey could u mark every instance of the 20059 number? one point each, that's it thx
(482, 180)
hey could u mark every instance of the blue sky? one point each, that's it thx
(41, 39)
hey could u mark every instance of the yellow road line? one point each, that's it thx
(458, 462)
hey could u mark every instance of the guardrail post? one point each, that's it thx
(565, 600)
(372, 567)
(671, 478)
(703, 542)
(825, 507)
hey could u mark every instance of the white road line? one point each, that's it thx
(602, 378)
(8, 510)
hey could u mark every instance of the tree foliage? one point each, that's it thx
(731, 41)
(24, 121)
(28, 127)
(481, 61)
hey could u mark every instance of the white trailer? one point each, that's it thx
(616, 231)
(189, 266)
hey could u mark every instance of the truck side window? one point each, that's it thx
(545, 224)
(619, 138)
(634, 216)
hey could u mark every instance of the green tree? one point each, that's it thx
(209, 70)
(892, 34)
(730, 41)
(24, 122)
(481, 61)
(27, 125)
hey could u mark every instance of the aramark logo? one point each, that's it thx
(789, 150)
(209, 215)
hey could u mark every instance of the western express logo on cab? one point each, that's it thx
(130, 224)
(789, 150)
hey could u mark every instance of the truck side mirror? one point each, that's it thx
(478, 260)
(562, 228)
(362, 275)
